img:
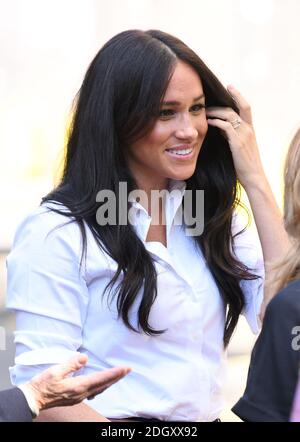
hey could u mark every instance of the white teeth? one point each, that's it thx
(180, 152)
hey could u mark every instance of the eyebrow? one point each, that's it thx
(177, 103)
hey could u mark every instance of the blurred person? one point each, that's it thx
(275, 359)
(152, 290)
(53, 388)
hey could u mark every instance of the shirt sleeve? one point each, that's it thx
(14, 407)
(248, 250)
(47, 290)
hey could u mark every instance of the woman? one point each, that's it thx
(275, 359)
(149, 115)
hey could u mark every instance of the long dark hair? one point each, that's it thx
(118, 102)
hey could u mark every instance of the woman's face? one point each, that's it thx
(172, 147)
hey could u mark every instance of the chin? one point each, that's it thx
(183, 175)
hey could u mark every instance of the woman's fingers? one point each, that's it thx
(227, 129)
(239, 132)
(227, 113)
(242, 104)
(223, 113)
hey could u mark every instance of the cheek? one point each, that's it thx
(202, 127)
(160, 134)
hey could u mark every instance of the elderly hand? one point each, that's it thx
(239, 132)
(54, 387)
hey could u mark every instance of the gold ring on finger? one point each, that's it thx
(236, 123)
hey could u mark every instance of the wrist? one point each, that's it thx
(259, 191)
(256, 181)
(31, 399)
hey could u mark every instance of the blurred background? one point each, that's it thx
(45, 49)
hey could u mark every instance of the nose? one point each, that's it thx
(186, 130)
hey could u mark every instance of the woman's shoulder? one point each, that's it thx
(44, 223)
(51, 209)
(45, 234)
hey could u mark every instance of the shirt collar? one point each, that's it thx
(140, 217)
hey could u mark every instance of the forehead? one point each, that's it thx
(185, 82)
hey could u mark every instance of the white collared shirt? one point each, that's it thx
(60, 310)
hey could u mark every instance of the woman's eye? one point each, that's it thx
(198, 107)
(166, 113)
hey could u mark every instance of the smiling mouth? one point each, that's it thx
(180, 152)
